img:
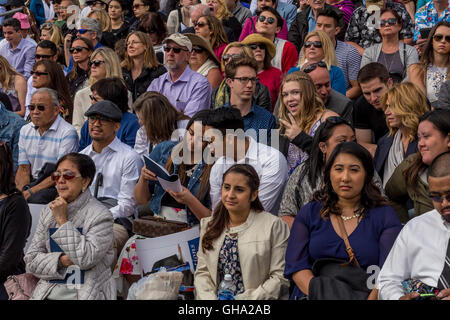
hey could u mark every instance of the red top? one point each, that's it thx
(272, 78)
(219, 51)
(289, 58)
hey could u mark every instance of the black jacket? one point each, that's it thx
(140, 85)
(15, 226)
(235, 26)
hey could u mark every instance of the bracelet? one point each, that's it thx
(28, 188)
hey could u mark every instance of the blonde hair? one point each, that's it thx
(222, 10)
(112, 63)
(55, 32)
(310, 102)
(408, 102)
(327, 47)
(150, 60)
(7, 73)
(244, 49)
(103, 18)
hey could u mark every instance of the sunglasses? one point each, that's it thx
(137, 5)
(93, 98)
(68, 175)
(255, 46)
(439, 198)
(38, 73)
(129, 43)
(77, 49)
(200, 24)
(227, 57)
(439, 37)
(43, 56)
(102, 119)
(270, 20)
(390, 21)
(316, 44)
(40, 107)
(313, 66)
(198, 50)
(82, 31)
(175, 50)
(95, 63)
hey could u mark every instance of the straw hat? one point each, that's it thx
(203, 43)
(271, 50)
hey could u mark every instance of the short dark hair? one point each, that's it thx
(112, 89)
(372, 71)
(231, 67)
(274, 12)
(152, 21)
(12, 22)
(331, 12)
(225, 118)
(440, 166)
(47, 44)
(84, 163)
(7, 182)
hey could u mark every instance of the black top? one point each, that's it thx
(141, 83)
(366, 116)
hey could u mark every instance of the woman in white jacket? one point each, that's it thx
(74, 235)
(242, 240)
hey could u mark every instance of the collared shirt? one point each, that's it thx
(189, 94)
(36, 150)
(349, 61)
(427, 17)
(272, 170)
(21, 58)
(358, 30)
(120, 166)
(241, 13)
(311, 22)
(418, 253)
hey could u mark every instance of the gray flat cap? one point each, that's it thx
(105, 108)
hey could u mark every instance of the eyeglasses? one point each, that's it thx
(313, 66)
(82, 31)
(100, 118)
(68, 175)
(95, 63)
(255, 46)
(77, 49)
(439, 37)
(133, 43)
(137, 5)
(316, 44)
(93, 98)
(245, 80)
(439, 197)
(198, 50)
(390, 21)
(200, 24)
(227, 57)
(270, 20)
(40, 107)
(175, 50)
(43, 56)
(38, 73)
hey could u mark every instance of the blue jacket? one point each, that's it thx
(127, 132)
(161, 154)
(10, 125)
(37, 7)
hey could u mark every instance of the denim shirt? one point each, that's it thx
(10, 125)
(161, 154)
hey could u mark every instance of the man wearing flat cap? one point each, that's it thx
(118, 168)
(187, 90)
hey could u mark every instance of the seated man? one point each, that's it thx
(235, 147)
(118, 168)
(422, 249)
(42, 142)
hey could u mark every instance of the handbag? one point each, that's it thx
(155, 226)
(20, 287)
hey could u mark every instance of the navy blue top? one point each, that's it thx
(312, 238)
(127, 132)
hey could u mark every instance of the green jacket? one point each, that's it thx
(399, 192)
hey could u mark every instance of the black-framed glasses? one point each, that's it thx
(175, 49)
(93, 98)
(439, 37)
(40, 107)
(198, 49)
(316, 44)
(95, 63)
(43, 56)
(245, 80)
(102, 119)
(68, 175)
(38, 73)
(439, 197)
(227, 57)
(390, 21)
(255, 46)
(313, 66)
(77, 49)
(270, 20)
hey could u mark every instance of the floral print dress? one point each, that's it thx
(229, 263)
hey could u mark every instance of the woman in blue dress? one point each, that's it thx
(347, 193)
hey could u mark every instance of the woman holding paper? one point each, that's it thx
(74, 234)
(242, 240)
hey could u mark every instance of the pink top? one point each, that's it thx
(218, 51)
(248, 29)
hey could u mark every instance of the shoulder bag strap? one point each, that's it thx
(348, 247)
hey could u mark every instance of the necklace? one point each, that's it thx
(351, 217)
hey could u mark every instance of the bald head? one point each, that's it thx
(321, 78)
(440, 167)
(439, 184)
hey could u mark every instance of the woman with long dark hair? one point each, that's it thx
(242, 240)
(15, 221)
(154, 26)
(348, 194)
(211, 28)
(81, 49)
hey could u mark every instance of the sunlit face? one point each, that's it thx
(41, 78)
(83, 55)
(238, 87)
(198, 56)
(327, 25)
(11, 35)
(232, 51)
(43, 119)
(70, 189)
(431, 142)
(347, 176)
(115, 10)
(135, 47)
(393, 120)
(441, 46)
(373, 90)
(389, 29)
(264, 27)
(45, 35)
(312, 53)
(236, 193)
(98, 68)
(213, 6)
(321, 78)
(440, 186)
(63, 12)
(341, 133)
(265, 3)
(102, 130)
(292, 96)
(176, 61)
(202, 28)
(259, 52)
(44, 54)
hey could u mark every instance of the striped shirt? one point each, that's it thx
(36, 150)
(349, 61)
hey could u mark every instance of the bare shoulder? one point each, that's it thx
(329, 113)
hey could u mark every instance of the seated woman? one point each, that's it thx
(152, 24)
(116, 12)
(108, 39)
(82, 228)
(15, 221)
(81, 49)
(189, 206)
(242, 240)
(409, 182)
(349, 194)
(301, 109)
(180, 18)
(403, 105)
(204, 61)
(396, 56)
(210, 28)
(14, 85)
(219, 9)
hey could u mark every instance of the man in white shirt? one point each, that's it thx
(118, 168)
(229, 144)
(422, 249)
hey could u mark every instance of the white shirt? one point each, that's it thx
(36, 150)
(418, 253)
(269, 163)
(121, 167)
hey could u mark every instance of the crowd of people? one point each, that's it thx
(323, 129)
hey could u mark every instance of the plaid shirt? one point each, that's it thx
(427, 17)
(361, 31)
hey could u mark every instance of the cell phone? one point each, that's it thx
(425, 32)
